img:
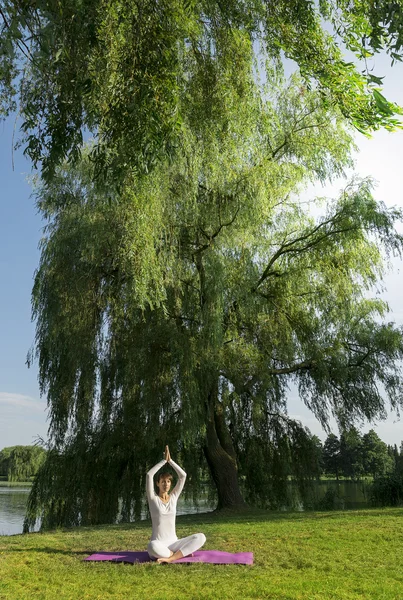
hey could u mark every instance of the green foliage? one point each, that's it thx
(281, 452)
(387, 490)
(356, 455)
(127, 72)
(178, 308)
(4, 460)
(20, 463)
(331, 456)
(376, 458)
(351, 453)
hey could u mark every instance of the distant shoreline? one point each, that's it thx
(15, 483)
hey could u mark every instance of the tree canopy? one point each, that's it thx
(126, 72)
(180, 307)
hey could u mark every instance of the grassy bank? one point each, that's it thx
(5, 483)
(334, 555)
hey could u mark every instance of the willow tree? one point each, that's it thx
(20, 463)
(179, 309)
(118, 69)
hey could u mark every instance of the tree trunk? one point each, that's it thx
(221, 459)
(218, 449)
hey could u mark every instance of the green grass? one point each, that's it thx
(316, 556)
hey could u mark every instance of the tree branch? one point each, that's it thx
(289, 247)
(27, 54)
(304, 365)
(211, 237)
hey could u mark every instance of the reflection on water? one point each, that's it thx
(326, 495)
(13, 501)
(340, 495)
(185, 507)
(329, 494)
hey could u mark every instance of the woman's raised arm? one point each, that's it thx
(181, 478)
(150, 478)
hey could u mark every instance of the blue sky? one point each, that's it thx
(22, 411)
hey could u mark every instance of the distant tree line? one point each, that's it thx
(21, 463)
(354, 456)
(351, 455)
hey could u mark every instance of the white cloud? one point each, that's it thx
(21, 401)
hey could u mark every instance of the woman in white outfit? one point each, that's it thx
(164, 545)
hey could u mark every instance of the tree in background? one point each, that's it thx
(331, 456)
(376, 458)
(119, 70)
(399, 461)
(355, 455)
(387, 486)
(4, 460)
(21, 463)
(351, 454)
(248, 293)
(317, 463)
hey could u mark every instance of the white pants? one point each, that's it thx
(187, 545)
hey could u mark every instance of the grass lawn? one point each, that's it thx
(336, 555)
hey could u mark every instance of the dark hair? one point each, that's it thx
(165, 474)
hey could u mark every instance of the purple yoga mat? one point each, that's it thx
(207, 556)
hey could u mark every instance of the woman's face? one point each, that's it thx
(164, 484)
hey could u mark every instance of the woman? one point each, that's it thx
(164, 545)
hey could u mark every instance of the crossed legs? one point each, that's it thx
(178, 549)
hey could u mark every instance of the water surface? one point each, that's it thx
(340, 495)
(13, 500)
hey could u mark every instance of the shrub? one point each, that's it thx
(387, 490)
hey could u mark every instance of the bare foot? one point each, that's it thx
(174, 556)
(163, 560)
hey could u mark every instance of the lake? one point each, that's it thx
(13, 500)
(340, 495)
(345, 494)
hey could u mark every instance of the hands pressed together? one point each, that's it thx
(167, 454)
